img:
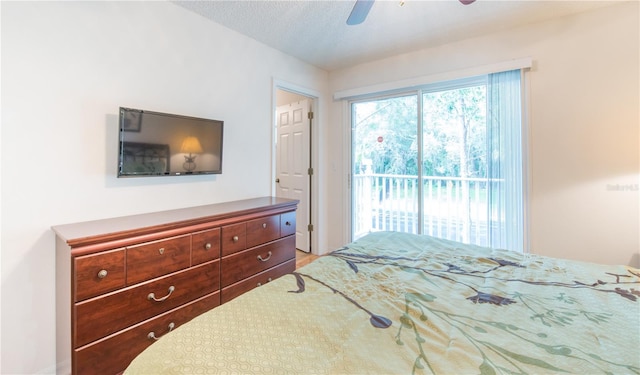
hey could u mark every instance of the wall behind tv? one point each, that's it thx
(584, 129)
(66, 69)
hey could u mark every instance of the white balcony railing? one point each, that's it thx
(453, 208)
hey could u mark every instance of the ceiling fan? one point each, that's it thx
(361, 10)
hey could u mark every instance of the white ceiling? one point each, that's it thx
(315, 31)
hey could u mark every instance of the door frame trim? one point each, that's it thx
(314, 97)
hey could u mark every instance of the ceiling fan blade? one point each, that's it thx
(359, 12)
(467, 2)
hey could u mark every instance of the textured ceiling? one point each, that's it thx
(316, 31)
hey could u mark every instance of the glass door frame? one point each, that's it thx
(418, 91)
(369, 98)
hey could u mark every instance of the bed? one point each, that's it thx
(395, 303)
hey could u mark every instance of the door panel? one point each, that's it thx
(385, 186)
(292, 155)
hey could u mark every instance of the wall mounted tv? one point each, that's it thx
(162, 144)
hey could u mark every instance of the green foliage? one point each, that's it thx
(386, 134)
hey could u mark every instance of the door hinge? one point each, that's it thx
(310, 115)
(310, 227)
(310, 171)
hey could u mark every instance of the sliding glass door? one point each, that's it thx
(385, 165)
(444, 160)
(454, 162)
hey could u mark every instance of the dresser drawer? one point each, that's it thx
(263, 230)
(234, 238)
(153, 259)
(113, 354)
(249, 262)
(262, 278)
(287, 224)
(98, 273)
(205, 246)
(128, 306)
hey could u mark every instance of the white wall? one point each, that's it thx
(66, 68)
(584, 126)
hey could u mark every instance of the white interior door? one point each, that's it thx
(293, 163)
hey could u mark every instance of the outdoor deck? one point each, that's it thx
(454, 208)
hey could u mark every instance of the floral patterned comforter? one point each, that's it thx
(394, 303)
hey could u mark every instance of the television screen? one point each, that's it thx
(162, 144)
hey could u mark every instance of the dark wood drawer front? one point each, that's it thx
(234, 238)
(287, 224)
(98, 273)
(263, 230)
(205, 246)
(158, 258)
(262, 278)
(113, 354)
(249, 262)
(129, 306)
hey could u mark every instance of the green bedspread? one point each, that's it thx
(393, 303)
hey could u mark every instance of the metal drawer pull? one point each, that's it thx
(264, 225)
(235, 238)
(152, 296)
(287, 223)
(265, 259)
(102, 274)
(207, 246)
(268, 280)
(152, 335)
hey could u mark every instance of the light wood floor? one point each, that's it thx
(303, 258)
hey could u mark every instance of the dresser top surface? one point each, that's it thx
(87, 229)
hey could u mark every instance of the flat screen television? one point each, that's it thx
(162, 144)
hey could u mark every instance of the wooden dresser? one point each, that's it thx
(124, 282)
